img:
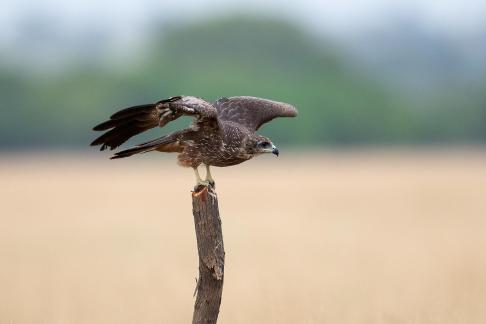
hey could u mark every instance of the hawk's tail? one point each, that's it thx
(167, 143)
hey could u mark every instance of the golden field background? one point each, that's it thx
(336, 237)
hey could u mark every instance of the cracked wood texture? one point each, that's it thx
(211, 255)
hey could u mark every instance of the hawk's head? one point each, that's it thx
(261, 144)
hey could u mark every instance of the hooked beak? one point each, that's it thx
(275, 151)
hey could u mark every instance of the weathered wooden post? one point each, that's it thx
(210, 249)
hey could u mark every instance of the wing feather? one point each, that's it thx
(252, 112)
(134, 120)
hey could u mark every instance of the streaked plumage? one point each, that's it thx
(223, 133)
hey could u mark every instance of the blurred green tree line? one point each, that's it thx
(240, 56)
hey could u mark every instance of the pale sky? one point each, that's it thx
(331, 16)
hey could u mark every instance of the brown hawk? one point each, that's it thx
(223, 133)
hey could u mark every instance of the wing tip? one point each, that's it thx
(96, 142)
(99, 141)
(130, 111)
(100, 127)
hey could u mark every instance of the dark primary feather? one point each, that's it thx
(125, 124)
(132, 111)
(252, 112)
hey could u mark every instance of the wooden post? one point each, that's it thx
(211, 255)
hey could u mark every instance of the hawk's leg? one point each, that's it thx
(199, 181)
(209, 178)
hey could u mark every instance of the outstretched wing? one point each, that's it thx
(135, 120)
(252, 112)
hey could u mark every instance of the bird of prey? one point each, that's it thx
(222, 134)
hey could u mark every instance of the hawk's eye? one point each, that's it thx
(264, 144)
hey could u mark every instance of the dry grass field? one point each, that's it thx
(343, 237)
